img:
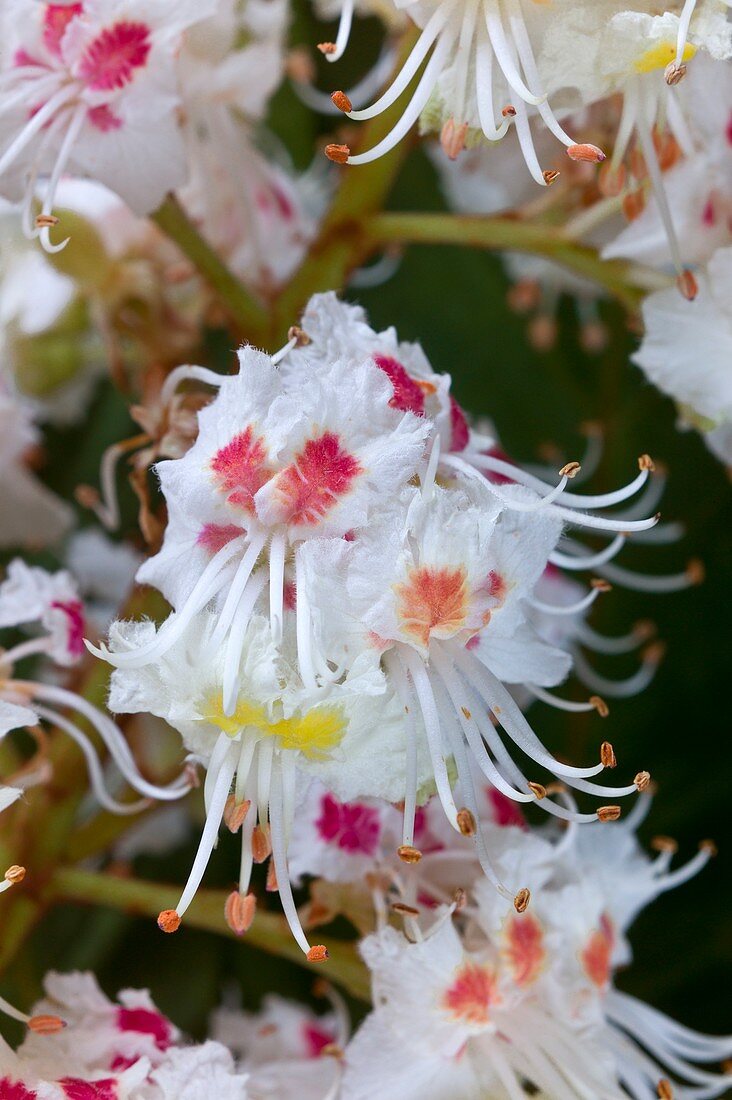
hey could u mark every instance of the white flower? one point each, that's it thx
(32, 595)
(100, 79)
(687, 348)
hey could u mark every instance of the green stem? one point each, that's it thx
(248, 317)
(623, 280)
(269, 931)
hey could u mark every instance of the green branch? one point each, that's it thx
(269, 931)
(248, 317)
(622, 279)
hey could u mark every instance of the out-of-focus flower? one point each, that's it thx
(104, 571)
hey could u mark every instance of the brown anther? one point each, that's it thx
(550, 175)
(556, 788)
(607, 755)
(239, 911)
(327, 48)
(586, 152)
(570, 469)
(299, 335)
(664, 1089)
(600, 584)
(522, 899)
(608, 813)
(654, 653)
(332, 1050)
(466, 822)
(15, 874)
(235, 812)
(317, 954)
(695, 571)
(337, 153)
(168, 921)
(633, 204)
(600, 705)
(342, 102)
(452, 138)
(459, 898)
(708, 846)
(524, 296)
(299, 66)
(405, 910)
(538, 789)
(408, 854)
(271, 885)
(542, 332)
(664, 844)
(645, 462)
(688, 285)
(508, 111)
(466, 712)
(261, 846)
(46, 221)
(46, 1025)
(644, 629)
(642, 781)
(674, 73)
(594, 337)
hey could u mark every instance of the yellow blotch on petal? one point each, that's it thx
(315, 734)
(658, 56)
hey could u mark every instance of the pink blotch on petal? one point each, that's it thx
(490, 475)
(408, 396)
(311, 485)
(504, 810)
(597, 952)
(15, 1090)
(460, 432)
(729, 130)
(241, 468)
(351, 826)
(289, 595)
(56, 19)
(524, 948)
(215, 536)
(77, 1089)
(316, 1038)
(74, 612)
(471, 995)
(103, 118)
(146, 1021)
(111, 59)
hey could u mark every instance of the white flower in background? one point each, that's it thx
(91, 88)
(108, 1050)
(104, 571)
(687, 349)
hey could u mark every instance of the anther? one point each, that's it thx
(15, 874)
(299, 335)
(607, 755)
(509, 111)
(708, 846)
(608, 813)
(654, 653)
(235, 812)
(459, 899)
(674, 73)
(332, 1050)
(644, 630)
(261, 846)
(633, 204)
(664, 1089)
(466, 712)
(239, 911)
(408, 854)
(695, 571)
(46, 1025)
(337, 153)
(642, 781)
(550, 175)
(342, 102)
(600, 706)
(46, 221)
(664, 844)
(688, 285)
(538, 789)
(168, 921)
(405, 910)
(570, 470)
(586, 152)
(317, 954)
(271, 885)
(645, 462)
(522, 899)
(452, 138)
(600, 584)
(327, 48)
(466, 822)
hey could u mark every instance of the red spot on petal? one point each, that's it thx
(284, 207)
(505, 811)
(22, 57)
(214, 536)
(709, 214)
(524, 948)
(77, 1089)
(459, 427)
(241, 468)
(56, 19)
(111, 58)
(351, 826)
(597, 952)
(147, 1022)
(471, 994)
(74, 612)
(289, 595)
(408, 396)
(310, 486)
(15, 1090)
(316, 1038)
(103, 118)
(729, 130)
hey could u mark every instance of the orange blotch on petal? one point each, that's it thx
(597, 952)
(432, 600)
(524, 948)
(471, 995)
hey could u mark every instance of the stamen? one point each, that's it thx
(608, 813)
(590, 154)
(409, 854)
(335, 50)
(235, 813)
(466, 823)
(239, 911)
(664, 1089)
(46, 1025)
(168, 921)
(339, 154)
(642, 781)
(342, 102)
(15, 874)
(607, 755)
(522, 899)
